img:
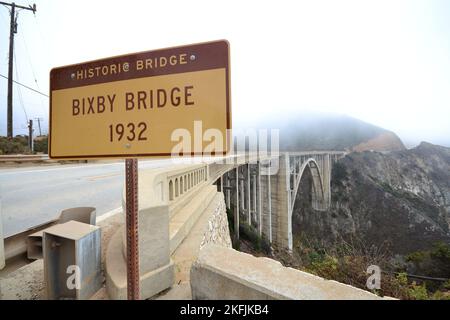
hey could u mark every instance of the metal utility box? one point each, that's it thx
(72, 260)
(80, 214)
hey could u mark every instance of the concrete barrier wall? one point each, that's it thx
(224, 273)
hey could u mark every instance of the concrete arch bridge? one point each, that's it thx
(182, 207)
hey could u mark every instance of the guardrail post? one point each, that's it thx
(2, 246)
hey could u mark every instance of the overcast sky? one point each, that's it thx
(385, 62)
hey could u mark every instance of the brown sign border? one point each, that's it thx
(60, 78)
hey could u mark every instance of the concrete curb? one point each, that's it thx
(108, 214)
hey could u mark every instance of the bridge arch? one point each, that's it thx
(318, 191)
(311, 170)
(297, 166)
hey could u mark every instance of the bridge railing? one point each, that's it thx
(176, 185)
(169, 186)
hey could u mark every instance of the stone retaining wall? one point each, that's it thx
(217, 231)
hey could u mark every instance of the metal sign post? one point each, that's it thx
(131, 182)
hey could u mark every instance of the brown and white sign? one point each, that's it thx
(129, 106)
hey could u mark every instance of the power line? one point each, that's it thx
(20, 91)
(25, 86)
(39, 124)
(29, 58)
(43, 39)
(32, 68)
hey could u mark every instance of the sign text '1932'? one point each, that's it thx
(128, 131)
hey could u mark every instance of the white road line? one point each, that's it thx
(72, 167)
(57, 169)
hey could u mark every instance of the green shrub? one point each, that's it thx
(416, 257)
(418, 292)
(402, 278)
(346, 261)
(250, 234)
(326, 267)
(441, 251)
(235, 243)
(338, 173)
(41, 145)
(440, 295)
(446, 285)
(18, 144)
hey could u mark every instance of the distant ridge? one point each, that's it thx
(324, 131)
(385, 141)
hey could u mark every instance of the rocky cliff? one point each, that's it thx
(400, 197)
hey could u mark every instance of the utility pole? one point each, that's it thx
(30, 135)
(12, 31)
(39, 125)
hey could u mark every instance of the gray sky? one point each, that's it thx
(385, 62)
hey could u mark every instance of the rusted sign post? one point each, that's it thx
(130, 106)
(131, 183)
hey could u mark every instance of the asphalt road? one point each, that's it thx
(31, 196)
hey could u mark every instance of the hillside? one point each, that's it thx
(402, 198)
(317, 131)
(385, 141)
